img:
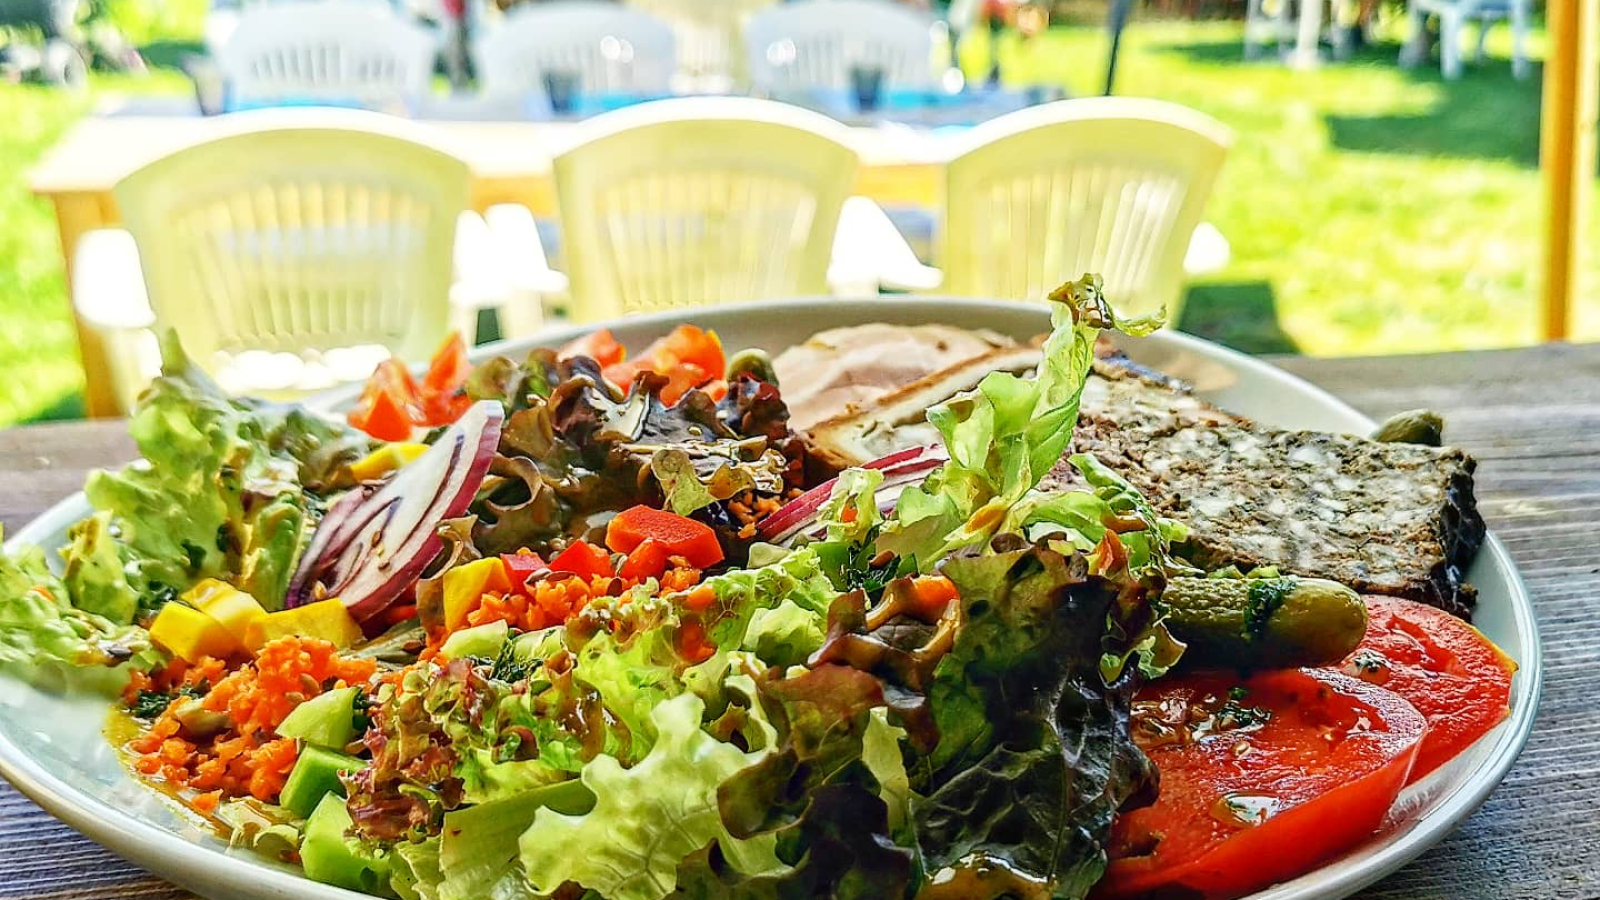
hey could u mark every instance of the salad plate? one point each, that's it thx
(53, 747)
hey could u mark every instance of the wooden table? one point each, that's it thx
(1531, 416)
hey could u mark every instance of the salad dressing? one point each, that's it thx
(120, 729)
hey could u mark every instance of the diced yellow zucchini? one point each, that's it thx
(464, 585)
(190, 634)
(386, 459)
(325, 620)
(235, 609)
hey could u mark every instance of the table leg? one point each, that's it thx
(76, 214)
(1307, 55)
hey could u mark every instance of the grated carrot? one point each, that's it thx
(247, 757)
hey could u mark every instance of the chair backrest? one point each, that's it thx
(1109, 185)
(710, 39)
(607, 46)
(701, 200)
(345, 51)
(815, 43)
(302, 230)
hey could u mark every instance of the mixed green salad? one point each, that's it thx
(593, 627)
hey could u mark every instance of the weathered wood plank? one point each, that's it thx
(1532, 417)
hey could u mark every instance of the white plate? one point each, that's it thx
(52, 748)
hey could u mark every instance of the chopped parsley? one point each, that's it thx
(1262, 600)
(151, 704)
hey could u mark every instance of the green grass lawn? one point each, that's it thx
(1371, 209)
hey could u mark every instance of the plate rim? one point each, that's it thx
(200, 867)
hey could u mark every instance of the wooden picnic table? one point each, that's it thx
(509, 161)
(1531, 416)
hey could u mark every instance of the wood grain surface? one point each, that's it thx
(1532, 417)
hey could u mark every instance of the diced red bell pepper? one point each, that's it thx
(521, 566)
(585, 559)
(648, 560)
(679, 536)
(600, 346)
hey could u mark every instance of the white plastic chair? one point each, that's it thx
(1453, 14)
(815, 43)
(289, 255)
(701, 200)
(344, 51)
(608, 47)
(1110, 185)
(709, 37)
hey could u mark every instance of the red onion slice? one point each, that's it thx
(902, 468)
(374, 543)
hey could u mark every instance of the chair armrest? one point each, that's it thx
(868, 249)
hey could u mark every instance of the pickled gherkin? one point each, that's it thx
(1264, 622)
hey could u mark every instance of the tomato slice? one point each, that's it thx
(600, 346)
(1443, 666)
(1259, 786)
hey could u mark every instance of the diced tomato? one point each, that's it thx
(692, 642)
(1441, 665)
(687, 356)
(521, 566)
(448, 370)
(383, 414)
(679, 536)
(1261, 786)
(583, 558)
(688, 344)
(648, 560)
(393, 402)
(600, 346)
(700, 598)
(934, 593)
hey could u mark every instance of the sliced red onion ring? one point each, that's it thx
(900, 469)
(375, 542)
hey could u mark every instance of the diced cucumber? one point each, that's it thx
(314, 776)
(483, 641)
(330, 856)
(326, 720)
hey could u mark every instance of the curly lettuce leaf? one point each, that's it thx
(478, 855)
(50, 643)
(844, 853)
(693, 476)
(576, 446)
(221, 491)
(645, 819)
(94, 575)
(819, 795)
(1005, 435)
(1034, 756)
